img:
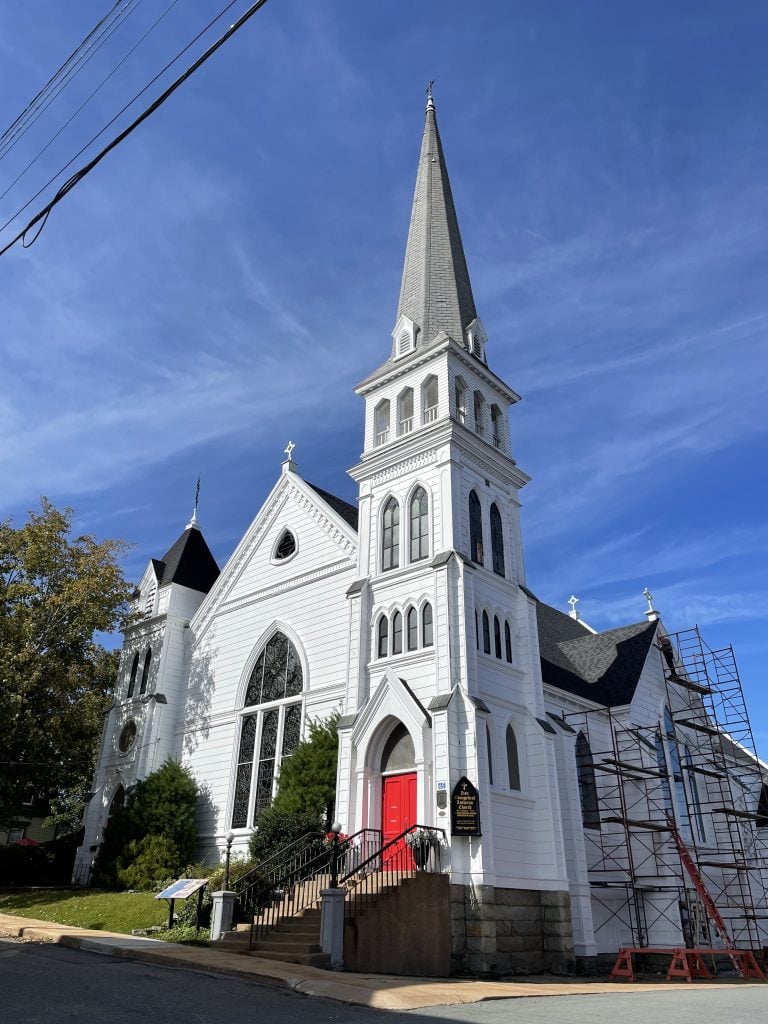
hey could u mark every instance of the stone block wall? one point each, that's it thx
(510, 931)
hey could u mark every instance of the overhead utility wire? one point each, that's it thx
(86, 101)
(47, 96)
(112, 120)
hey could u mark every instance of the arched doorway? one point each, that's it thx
(398, 793)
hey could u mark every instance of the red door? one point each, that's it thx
(398, 811)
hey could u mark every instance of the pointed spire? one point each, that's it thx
(193, 524)
(436, 292)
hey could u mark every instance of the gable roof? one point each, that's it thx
(188, 562)
(343, 508)
(602, 667)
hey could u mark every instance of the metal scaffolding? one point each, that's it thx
(687, 784)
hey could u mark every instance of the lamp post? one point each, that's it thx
(230, 838)
(335, 828)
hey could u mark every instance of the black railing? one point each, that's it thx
(417, 848)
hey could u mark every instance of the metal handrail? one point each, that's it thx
(389, 846)
(258, 872)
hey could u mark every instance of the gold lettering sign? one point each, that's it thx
(465, 809)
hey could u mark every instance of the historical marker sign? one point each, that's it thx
(465, 809)
(182, 888)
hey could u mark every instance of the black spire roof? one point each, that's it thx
(188, 562)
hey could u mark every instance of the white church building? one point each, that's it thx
(409, 615)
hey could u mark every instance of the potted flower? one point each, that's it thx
(421, 841)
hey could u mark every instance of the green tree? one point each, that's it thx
(57, 593)
(308, 777)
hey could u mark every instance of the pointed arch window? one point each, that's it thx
(134, 672)
(661, 762)
(382, 637)
(286, 546)
(693, 787)
(497, 636)
(419, 525)
(405, 412)
(145, 671)
(508, 642)
(479, 410)
(585, 770)
(486, 633)
(269, 735)
(427, 636)
(677, 772)
(412, 628)
(490, 753)
(399, 753)
(390, 539)
(475, 528)
(397, 633)
(762, 807)
(496, 424)
(460, 400)
(477, 631)
(429, 400)
(497, 540)
(513, 761)
(381, 422)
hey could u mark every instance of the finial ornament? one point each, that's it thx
(649, 598)
(193, 520)
(430, 103)
(573, 601)
(289, 450)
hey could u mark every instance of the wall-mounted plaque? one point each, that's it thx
(465, 809)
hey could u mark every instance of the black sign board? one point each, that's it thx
(465, 809)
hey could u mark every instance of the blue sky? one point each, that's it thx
(220, 283)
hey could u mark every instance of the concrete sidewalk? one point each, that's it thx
(384, 992)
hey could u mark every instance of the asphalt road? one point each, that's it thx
(48, 984)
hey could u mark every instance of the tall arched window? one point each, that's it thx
(382, 637)
(762, 807)
(490, 753)
(427, 638)
(419, 525)
(397, 633)
(405, 411)
(134, 672)
(661, 761)
(508, 642)
(460, 400)
(513, 762)
(477, 631)
(381, 422)
(497, 540)
(399, 754)
(412, 628)
(479, 408)
(145, 670)
(270, 727)
(677, 772)
(693, 787)
(475, 528)
(496, 636)
(486, 633)
(429, 400)
(585, 770)
(390, 537)
(496, 422)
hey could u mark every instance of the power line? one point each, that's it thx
(86, 101)
(47, 95)
(70, 184)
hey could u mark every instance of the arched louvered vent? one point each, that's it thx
(286, 545)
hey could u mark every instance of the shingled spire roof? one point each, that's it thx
(436, 293)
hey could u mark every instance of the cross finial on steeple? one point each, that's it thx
(430, 102)
(573, 601)
(651, 612)
(289, 466)
(193, 521)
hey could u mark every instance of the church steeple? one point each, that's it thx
(436, 294)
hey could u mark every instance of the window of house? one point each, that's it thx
(479, 409)
(426, 626)
(412, 628)
(475, 528)
(497, 540)
(382, 639)
(508, 642)
(145, 670)
(490, 753)
(460, 400)
(497, 636)
(405, 412)
(381, 422)
(399, 754)
(397, 633)
(693, 787)
(419, 525)
(677, 772)
(127, 737)
(762, 807)
(585, 770)
(134, 673)
(486, 633)
(496, 424)
(271, 733)
(429, 400)
(661, 761)
(390, 540)
(513, 763)
(286, 545)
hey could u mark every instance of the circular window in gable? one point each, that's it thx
(127, 737)
(286, 546)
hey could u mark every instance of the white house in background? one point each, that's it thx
(410, 616)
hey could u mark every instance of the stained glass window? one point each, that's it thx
(276, 674)
(244, 768)
(287, 545)
(291, 729)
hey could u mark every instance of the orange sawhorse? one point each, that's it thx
(687, 963)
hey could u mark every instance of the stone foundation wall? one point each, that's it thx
(510, 931)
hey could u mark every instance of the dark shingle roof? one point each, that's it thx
(347, 512)
(603, 667)
(189, 563)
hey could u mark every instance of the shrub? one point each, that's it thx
(152, 860)
(308, 776)
(276, 829)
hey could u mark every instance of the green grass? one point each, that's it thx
(105, 911)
